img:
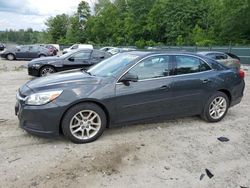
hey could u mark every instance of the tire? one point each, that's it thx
(46, 70)
(41, 55)
(79, 128)
(213, 111)
(10, 57)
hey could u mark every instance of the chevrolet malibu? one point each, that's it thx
(128, 87)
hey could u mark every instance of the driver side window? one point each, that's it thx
(81, 56)
(153, 67)
(24, 49)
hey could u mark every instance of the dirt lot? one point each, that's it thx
(174, 153)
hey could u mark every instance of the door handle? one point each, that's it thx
(206, 81)
(164, 87)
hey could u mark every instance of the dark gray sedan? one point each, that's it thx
(82, 58)
(27, 52)
(128, 87)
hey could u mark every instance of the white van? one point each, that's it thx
(77, 46)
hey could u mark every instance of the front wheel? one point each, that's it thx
(10, 57)
(46, 70)
(84, 123)
(216, 107)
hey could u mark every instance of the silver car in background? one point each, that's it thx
(227, 59)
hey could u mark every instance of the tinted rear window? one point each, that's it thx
(188, 64)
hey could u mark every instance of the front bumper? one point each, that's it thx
(33, 71)
(2, 55)
(41, 120)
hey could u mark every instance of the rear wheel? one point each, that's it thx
(46, 70)
(216, 107)
(42, 55)
(10, 57)
(84, 123)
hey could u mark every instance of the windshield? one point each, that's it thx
(112, 65)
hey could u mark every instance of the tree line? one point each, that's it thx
(148, 23)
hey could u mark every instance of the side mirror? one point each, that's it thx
(72, 59)
(129, 78)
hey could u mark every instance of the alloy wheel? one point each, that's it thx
(46, 71)
(218, 107)
(85, 124)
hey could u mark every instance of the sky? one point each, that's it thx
(23, 14)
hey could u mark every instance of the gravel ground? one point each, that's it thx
(173, 153)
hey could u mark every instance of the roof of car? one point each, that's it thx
(152, 52)
(208, 52)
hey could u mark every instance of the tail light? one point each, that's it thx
(241, 74)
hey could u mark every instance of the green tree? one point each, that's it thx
(57, 27)
(233, 21)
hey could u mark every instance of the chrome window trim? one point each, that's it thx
(149, 79)
(211, 69)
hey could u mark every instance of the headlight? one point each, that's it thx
(42, 98)
(36, 65)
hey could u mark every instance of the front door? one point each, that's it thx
(21, 52)
(150, 96)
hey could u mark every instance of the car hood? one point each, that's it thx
(63, 80)
(5, 51)
(45, 60)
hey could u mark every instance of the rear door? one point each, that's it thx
(190, 84)
(150, 97)
(97, 56)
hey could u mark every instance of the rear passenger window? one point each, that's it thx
(98, 55)
(188, 64)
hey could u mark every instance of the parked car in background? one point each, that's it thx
(114, 51)
(51, 48)
(107, 48)
(228, 59)
(2, 46)
(81, 58)
(26, 52)
(77, 46)
(56, 46)
(128, 87)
